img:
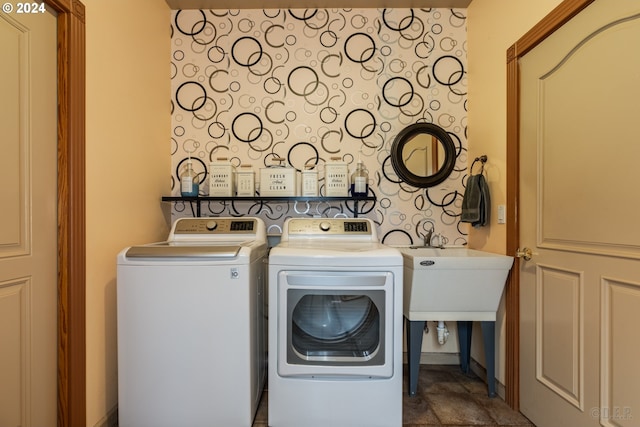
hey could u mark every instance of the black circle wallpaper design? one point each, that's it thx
(309, 85)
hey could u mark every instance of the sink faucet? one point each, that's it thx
(427, 238)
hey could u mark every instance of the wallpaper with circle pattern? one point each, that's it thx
(309, 85)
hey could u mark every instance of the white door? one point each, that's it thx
(579, 212)
(28, 265)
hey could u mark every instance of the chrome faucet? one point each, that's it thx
(427, 238)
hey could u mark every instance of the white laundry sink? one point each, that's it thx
(453, 283)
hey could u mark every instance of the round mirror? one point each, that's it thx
(423, 155)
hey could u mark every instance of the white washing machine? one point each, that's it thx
(191, 325)
(335, 326)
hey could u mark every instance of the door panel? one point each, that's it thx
(586, 106)
(14, 329)
(28, 242)
(578, 152)
(559, 320)
(13, 121)
(619, 375)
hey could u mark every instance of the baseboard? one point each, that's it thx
(110, 420)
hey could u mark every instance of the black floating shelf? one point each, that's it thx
(317, 199)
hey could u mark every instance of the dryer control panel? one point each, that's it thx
(333, 227)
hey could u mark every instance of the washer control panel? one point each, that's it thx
(214, 226)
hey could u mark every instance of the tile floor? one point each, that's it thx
(446, 397)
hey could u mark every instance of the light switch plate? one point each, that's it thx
(502, 214)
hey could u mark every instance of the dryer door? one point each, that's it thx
(336, 323)
(332, 327)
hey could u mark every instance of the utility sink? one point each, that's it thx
(453, 283)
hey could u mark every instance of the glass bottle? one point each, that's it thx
(360, 181)
(189, 182)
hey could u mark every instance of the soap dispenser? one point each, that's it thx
(360, 181)
(189, 181)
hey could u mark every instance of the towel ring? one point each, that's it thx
(482, 159)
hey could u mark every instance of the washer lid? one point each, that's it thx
(164, 250)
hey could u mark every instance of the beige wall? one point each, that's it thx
(128, 155)
(492, 27)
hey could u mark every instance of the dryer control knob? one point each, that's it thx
(211, 225)
(325, 226)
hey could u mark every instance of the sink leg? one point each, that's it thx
(414, 347)
(489, 337)
(465, 328)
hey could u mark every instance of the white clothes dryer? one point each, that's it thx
(191, 325)
(335, 326)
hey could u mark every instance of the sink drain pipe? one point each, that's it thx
(443, 332)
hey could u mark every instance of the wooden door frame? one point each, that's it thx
(71, 213)
(550, 23)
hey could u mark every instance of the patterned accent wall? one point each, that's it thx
(309, 85)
